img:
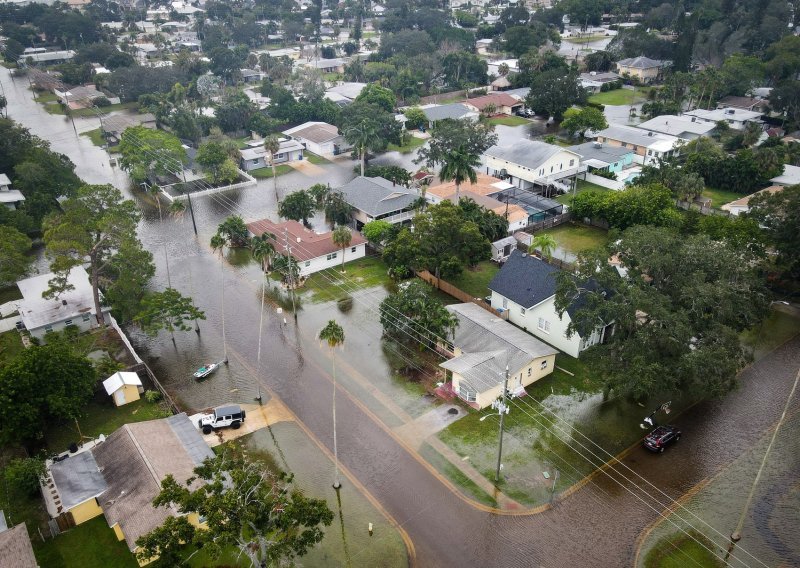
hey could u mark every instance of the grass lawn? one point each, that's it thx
(773, 332)
(474, 282)
(620, 96)
(585, 39)
(314, 159)
(682, 550)
(105, 110)
(266, 172)
(582, 186)
(720, 197)
(573, 238)
(9, 293)
(10, 345)
(362, 273)
(96, 136)
(91, 544)
(507, 120)
(456, 476)
(54, 108)
(411, 143)
(45, 97)
(102, 417)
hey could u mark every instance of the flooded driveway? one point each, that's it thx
(596, 525)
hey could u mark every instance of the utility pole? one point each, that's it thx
(189, 197)
(291, 269)
(502, 409)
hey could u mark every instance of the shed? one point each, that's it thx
(123, 387)
(502, 248)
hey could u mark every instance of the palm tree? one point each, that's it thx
(459, 166)
(333, 335)
(262, 249)
(177, 209)
(272, 145)
(545, 243)
(363, 136)
(155, 192)
(342, 238)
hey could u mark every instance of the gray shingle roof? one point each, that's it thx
(489, 343)
(377, 196)
(605, 153)
(455, 110)
(77, 479)
(527, 153)
(525, 280)
(16, 550)
(642, 62)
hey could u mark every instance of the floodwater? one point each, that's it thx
(596, 526)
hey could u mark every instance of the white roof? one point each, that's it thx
(36, 311)
(11, 196)
(790, 176)
(4, 180)
(120, 379)
(726, 114)
(677, 125)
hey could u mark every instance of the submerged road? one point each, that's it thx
(596, 525)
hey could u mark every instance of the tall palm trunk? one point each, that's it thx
(274, 175)
(363, 158)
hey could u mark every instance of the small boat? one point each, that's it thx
(205, 370)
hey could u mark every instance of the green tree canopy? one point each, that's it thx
(233, 232)
(448, 135)
(14, 261)
(578, 121)
(297, 206)
(168, 311)
(634, 205)
(145, 151)
(553, 92)
(414, 316)
(379, 96)
(377, 231)
(779, 214)
(459, 166)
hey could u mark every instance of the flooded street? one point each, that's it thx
(597, 525)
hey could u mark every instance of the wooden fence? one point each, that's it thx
(143, 368)
(703, 209)
(550, 222)
(454, 291)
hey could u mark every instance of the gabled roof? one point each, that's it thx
(674, 125)
(745, 201)
(16, 550)
(525, 280)
(489, 344)
(790, 176)
(304, 243)
(496, 99)
(441, 112)
(642, 62)
(317, 132)
(599, 151)
(635, 136)
(377, 196)
(36, 311)
(120, 379)
(527, 153)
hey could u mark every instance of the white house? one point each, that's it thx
(648, 147)
(524, 291)
(736, 118)
(312, 251)
(790, 176)
(742, 205)
(684, 127)
(73, 307)
(530, 163)
(9, 197)
(123, 387)
(378, 198)
(320, 138)
(255, 156)
(484, 345)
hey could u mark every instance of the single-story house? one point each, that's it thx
(529, 163)
(790, 176)
(349, 90)
(119, 476)
(501, 103)
(647, 146)
(643, 68)
(742, 205)
(123, 387)
(9, 197)
(593, 81)
(46, 58)
(481, 192)
(377, 198)
(114, 125)
(328, 65)
(754, 104)
(484, 346)
(251, 75)
(524, 291)
(435, 113)
(320, 138)
(603, 156)
(501, 249)
(16, 550)
(73, 307)
(82, 97)
(312, 251)
(255, 155)
(737, 118)
(684, 127)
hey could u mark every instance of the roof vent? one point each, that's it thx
(694, 119)
(730, 111)
(650, 134)
(299, 240)
(598, 144)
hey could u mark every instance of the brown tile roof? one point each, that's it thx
(483, 186)
(15, 548)
(515, 212)
(496, 99)
(305, 243)
(744, 201)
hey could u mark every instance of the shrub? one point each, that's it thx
(101, 102)
(152, 396)
(23, 474)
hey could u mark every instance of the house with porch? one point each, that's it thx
(736, 118)
(255, 156)
(532, 164)
(377, 198)
(119, 476)
(484, 347)
(523, 291)
(73, 307)
(312, 251)
(10, 198)
(320, 138)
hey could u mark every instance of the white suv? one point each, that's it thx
(221, 417)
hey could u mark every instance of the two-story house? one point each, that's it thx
(530, 163)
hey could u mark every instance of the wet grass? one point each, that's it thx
(455, 475)
(45, 97)
(96, 136)
(326, 286)
(266, 172)
(620, 96)
(412, 143)
(507, 121)
(573, 238)
(105, 110)
(10, 346)
(314, 159)
(474, 281)
(680, 549)
(720, 197)
(773, 332)
(91, 544)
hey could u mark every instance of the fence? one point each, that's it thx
(142, 367)
(168, 190)
(550, 222)
(604, 182)
(454, 291)
(703, 209)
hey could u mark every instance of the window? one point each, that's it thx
(48, 328)
(353, 249)
(332, 255)
(466, 392)
(551, 169)
(86, 317)
(544, 325)
(543, 365)
(635, 148)
(571, 163)
(649, 152)
(529, 371)
(505, 303)
(308, 263)
(624, 144)
(522, 311)
(68, 322)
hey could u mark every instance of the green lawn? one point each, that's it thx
(365, 272)
(105, 110)
(682, 550)
(582, 186)
(314, 159)
(96, 136)
(266, 172)
(720, 197)
(620, 96)
(91, 544)
(9, 293)
(573, 238)
(102, 417)
(412, 142)
(54, 108)
(475, 281)
(773, 332)
(10, 345)
(455, 475)
(45, 97)
(507, 121)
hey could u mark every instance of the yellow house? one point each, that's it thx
(119, 476)
(643, 68)
(123, 387)
(484, 346)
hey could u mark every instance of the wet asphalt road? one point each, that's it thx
(596, 526)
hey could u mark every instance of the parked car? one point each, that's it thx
(222, 417)
(661, 437)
